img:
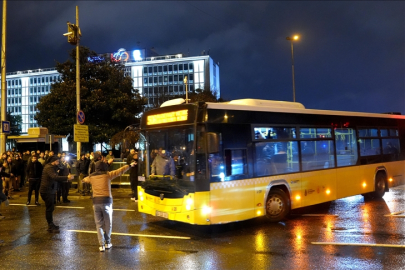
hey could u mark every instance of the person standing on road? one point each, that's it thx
(3, 197)
(34, 173)
(133, 174)
(82, 170)
(49, 181)
(102, 199)
(63, 188)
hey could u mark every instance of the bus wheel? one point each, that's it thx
(380, 185)
(277, 205)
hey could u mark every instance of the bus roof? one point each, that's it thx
(287, 107)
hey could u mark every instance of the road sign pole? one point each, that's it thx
(3, 136)
(79, 144)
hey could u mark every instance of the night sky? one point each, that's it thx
(351, 55)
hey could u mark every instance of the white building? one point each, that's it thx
(154, 76)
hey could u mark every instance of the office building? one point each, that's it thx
(157, 77)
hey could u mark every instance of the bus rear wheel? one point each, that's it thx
(380, 185)
(277, 205)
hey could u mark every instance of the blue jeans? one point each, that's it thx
(103, 219)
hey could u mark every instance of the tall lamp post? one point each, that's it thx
(3, 136)
(185, 82)
(292, 39)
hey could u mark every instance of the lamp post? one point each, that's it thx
(3, 136)
(185, 82)
(292, 39)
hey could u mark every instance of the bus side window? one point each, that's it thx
(235, 162)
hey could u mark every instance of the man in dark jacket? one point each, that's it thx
(34, 173)
(133, 174)
(82, 170)
(48, 188)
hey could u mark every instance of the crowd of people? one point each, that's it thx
(49, 176)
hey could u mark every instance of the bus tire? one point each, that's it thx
(277, 205)
(380, 185)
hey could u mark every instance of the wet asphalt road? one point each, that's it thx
(297, 243)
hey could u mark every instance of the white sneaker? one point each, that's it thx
(132, 199)
(101, 248)
(108, 246)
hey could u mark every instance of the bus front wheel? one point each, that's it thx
(277, 205)
(380, 185)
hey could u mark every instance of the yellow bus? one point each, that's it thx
(248, 158)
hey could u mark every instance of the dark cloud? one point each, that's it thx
(350, 56)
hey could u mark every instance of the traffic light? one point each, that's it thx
(72, 34)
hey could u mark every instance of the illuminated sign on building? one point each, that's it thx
(95, 59)
(169, 117)
(123, 56)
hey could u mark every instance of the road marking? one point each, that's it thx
(73, 207)
(357, 244)
(395, 213)
(139, 235)
(128, 210)
(21, 204)
(319, 215)
(398, 216)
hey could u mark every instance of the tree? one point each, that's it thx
(15, 123)
(107, 98)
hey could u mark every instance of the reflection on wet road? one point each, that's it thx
(351, 233)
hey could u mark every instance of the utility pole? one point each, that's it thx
(3, 136)
(73, 36)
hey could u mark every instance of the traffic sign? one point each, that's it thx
(81, 133)
(80, 117)
(5, 127)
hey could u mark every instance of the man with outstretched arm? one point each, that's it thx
(102, 199)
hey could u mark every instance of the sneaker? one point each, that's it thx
(28, 203)
(108, 246)
(101, 248)
(133, 199)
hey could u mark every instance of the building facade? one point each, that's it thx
(156, 77)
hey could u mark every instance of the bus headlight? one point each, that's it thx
(206, 210)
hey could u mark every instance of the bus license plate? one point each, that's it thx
(162, 214)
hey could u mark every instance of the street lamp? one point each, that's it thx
(292, 39)
(185, 82)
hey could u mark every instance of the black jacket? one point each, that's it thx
(50, 179)
(83, 166)
(34, 170)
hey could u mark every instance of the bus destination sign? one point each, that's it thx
(169, 117)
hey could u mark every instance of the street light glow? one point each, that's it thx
(296, 37)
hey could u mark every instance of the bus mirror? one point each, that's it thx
(213, 142)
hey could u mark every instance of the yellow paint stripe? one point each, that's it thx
(357, 244)
(396, 213)
(139, 235)
(72, 207)
(319, 215)
(21, 204)
(128, 210)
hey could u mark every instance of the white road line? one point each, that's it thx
(72, 207)
(21, 204)
(139, 235)
(395, 213)
(398, 216)
(319, 215)
(128, 210)
(357, 244)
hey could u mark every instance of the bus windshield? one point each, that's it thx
(168, 160)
